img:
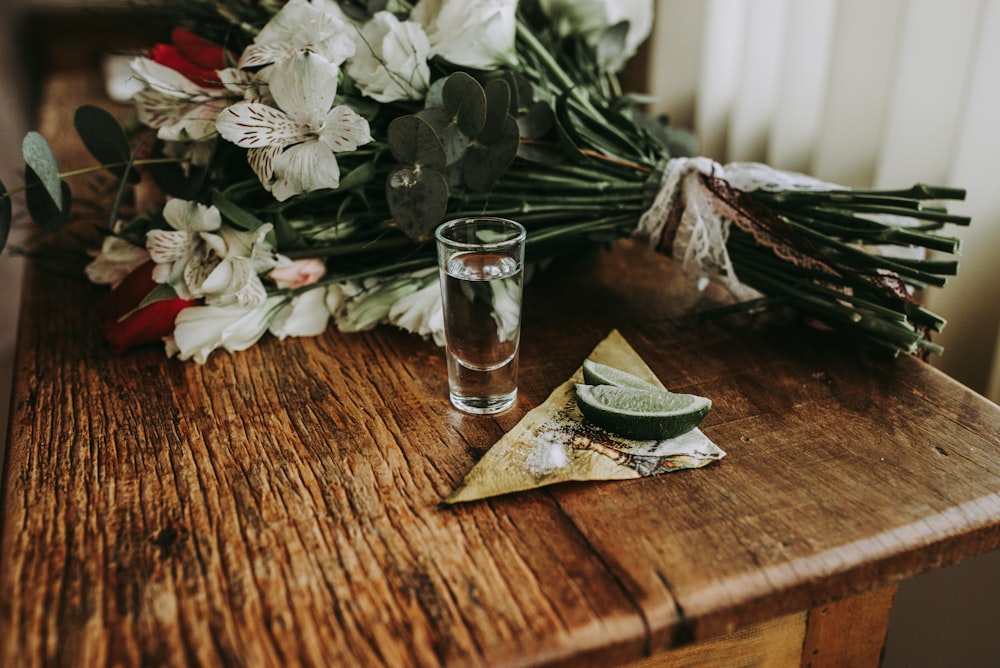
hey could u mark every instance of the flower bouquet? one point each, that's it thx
(306, 151)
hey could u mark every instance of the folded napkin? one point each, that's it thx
(553, 444)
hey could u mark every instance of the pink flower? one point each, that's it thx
(298, 273)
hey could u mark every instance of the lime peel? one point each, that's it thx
(640, 413)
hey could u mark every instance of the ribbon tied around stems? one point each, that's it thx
(699, 199)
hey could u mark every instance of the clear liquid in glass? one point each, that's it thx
(482, 316)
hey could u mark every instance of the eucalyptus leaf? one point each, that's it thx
(452, 139)
(6, 215)
(485, 163)
(413, 142)
(104, 137)
(465, 100)
(521, 92)
(435, 93)
(41, 160)
(418, 200)
(41, 207)
(497, 104)
(536, 121)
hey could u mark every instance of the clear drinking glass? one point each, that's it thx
(481, 260)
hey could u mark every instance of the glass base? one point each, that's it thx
(483, 405)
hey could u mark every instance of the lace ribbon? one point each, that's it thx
(690, 218)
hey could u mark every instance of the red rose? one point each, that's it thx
(126, 326)
(194, 57)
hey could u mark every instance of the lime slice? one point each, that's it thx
(595, 373)
(641, 414)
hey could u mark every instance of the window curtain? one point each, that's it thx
(861, 93)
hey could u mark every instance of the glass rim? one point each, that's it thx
(519, 237)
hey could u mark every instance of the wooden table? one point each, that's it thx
(280, 506)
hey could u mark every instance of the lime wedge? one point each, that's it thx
(641, 414)
(595, 373)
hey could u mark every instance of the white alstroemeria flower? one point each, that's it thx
(117, 259)
(319, 27)
(305, 315)
(339, 295)
(179, 109)
(390, 61)
(173, 250)
(421, 312)
(474, 33)
(293, 147)
(199, 330)
(371, 306)
(230, 272)
(592, 18)
(199, 258)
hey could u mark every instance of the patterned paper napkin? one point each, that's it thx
(553, 444)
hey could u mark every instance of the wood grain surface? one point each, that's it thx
(280, 506)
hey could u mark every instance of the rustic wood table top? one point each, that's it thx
(281, 506)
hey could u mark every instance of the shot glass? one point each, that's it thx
(481, 260)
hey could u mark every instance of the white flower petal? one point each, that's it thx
(257, 55)
(305, 315)
(421, 312)
(167, 80)
(165, 246)
(262, 162)
(233, 281)
(195, 270)
(487, 29)
(304, 168)
(255, 125)
(300, 25)
(191, 216)
(199, 330)
(391, 59)
(345, 130)
(117, 259)
(304, 87)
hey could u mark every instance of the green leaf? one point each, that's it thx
(6, 215)
(358, 177)
(536, 121)
(42, 161)
(485, 163)
(465, 100)
(611, 46)
(497, 103)
(161, 292)
(234, 213)
(452, 139)
(104, 137)
(418, 199)
(42, 208)
(413, 142)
